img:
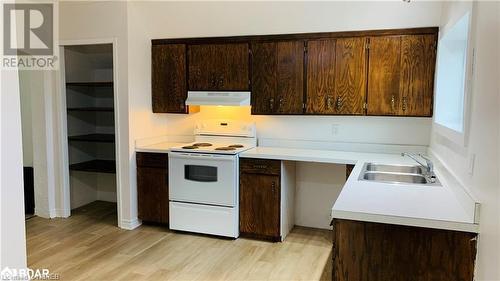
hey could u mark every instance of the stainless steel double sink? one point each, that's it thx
(397, 174)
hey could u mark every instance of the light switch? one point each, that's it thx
(335, 129)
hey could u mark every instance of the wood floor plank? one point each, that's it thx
(89, 246)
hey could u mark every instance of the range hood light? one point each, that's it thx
(218, 98)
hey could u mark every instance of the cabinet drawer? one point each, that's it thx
(148, 159)
(260, 166)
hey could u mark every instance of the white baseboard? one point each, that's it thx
(44, 213)
(130, 224)
(62, 213)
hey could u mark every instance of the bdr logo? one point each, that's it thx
(28, 29)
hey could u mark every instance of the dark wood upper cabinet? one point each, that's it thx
(401, 75)
(350, 76)
(168, 78)
(336, 76)
(264, 78)
(321, 77)
(277, 77)
(384, 75)
(152, 187)
(418, 58)
(221, 67)
(260, 198)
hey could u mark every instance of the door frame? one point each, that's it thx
(64, 209)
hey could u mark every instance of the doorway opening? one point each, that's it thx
(88, 82)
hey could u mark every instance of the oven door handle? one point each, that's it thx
(192, 156)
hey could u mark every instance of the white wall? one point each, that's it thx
(40, 126)
(26, 122)
(12, 230)
(483, 140)
(317, 186)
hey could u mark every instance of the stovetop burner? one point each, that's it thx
(236, 145)
(190, 147)
(225, 148)
(202, 144)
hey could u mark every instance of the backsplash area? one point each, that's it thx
(319, 129)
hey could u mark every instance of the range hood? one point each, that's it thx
(218, 98)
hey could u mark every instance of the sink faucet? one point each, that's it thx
(429, 166)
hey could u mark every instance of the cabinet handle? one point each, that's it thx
(273, 187)
(393, 103)
(221, 81)
(280, 104)
(404, 103)
(271, 104)
(329, 102)
(338, 104)
(214, 81)
(259, 166)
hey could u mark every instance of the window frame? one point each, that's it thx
(457, 137)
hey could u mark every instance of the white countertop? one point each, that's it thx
(402, 204)
(162, 147)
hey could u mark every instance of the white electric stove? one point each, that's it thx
(203, 178)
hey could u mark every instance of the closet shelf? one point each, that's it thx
(93, 138)
(91, 84)
(103, 109)
(99, 166)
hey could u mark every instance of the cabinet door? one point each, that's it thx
(384, 75)
(152, 194)
(260, 205)
(277, 77)
(201, 65)
(218, 67)
(232, 67)
(321, 77)
(264, 78)
(168, 73)
(350, 76)
(366, 251)
(418, 60)
(336, 76)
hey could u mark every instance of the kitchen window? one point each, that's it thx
(454, 71)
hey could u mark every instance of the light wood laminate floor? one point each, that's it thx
(89, 246)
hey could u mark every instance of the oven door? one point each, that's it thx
(203, 178)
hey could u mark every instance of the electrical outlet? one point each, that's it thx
(335, 129)
(472, 162)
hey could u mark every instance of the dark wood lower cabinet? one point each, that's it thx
(365, 251)
(260, 199)
(152, 187)
(348, 170)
